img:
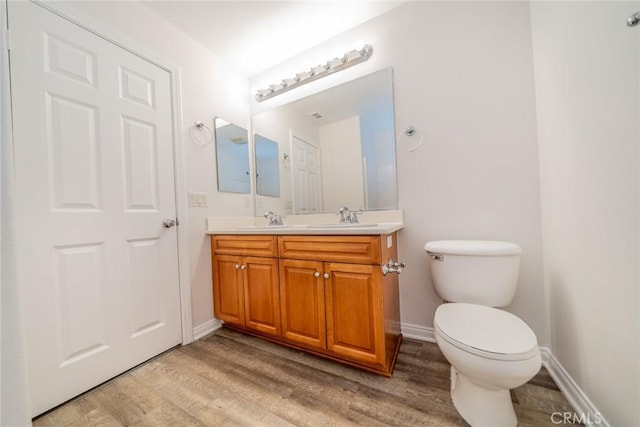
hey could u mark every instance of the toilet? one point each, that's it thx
(490, 350)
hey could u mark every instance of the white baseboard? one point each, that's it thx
(417, 332)
(206, 328)
(585, 411)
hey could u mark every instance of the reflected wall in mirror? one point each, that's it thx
(337, 148)
(267, 167)
(232, 157)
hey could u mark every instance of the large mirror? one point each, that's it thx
(232, 157)
(335, 148)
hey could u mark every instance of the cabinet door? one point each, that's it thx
(228, 290)
(355, 320)
(302, 302)
(261, 295)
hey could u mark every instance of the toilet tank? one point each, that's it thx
(474, 271)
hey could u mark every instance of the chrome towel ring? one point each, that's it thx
(200, 126)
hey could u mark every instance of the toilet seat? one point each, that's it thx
(488, 332)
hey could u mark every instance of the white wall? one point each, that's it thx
(341, 161)
(463, 76)
(209, 88)
(587, 67)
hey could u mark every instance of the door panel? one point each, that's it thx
(228, 289)
(355, 312)
(302, 302)
(75, 173)
(306, 177)
(262, 298)
(141, 168)
(78, 276)
(94, 179)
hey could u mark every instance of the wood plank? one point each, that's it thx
(229, 378)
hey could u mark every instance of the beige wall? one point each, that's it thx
(587, 67)
(463, 76)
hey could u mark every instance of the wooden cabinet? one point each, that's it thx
(228, 289)
(302, 303)
(245, 288)
(355, 318)
(324, 294)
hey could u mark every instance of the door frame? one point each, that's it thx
(180, 184)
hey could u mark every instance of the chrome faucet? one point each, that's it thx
(353, 216)
(347, 216)
(274, 219)
(344, 214)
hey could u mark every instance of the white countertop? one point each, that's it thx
(310, 229)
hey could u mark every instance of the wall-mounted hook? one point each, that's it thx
(410, 131)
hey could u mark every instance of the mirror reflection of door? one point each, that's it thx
(232, 157)
(267, 167)
(306, 175)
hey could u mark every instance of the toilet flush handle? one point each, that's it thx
(436, 257)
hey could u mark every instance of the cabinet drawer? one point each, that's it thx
(353, 249)
(245, 245)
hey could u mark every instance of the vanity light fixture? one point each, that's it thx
(332, 66)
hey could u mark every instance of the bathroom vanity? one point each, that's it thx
(329, 291)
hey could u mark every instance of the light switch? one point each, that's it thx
(197, 200)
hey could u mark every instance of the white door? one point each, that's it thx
(94, 182)
(305, 168)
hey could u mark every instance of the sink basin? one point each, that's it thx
(342, 225)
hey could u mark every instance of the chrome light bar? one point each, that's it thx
(332, 66)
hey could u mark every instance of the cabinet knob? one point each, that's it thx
(237, 266)
(242, 267)
(316, 274)
(326, 275)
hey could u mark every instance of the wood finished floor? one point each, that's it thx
(231, 379)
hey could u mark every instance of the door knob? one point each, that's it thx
(171, 222)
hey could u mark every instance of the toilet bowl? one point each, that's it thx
(491, 351)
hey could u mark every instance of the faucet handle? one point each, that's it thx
(274, 219)
(344, 213)
(353, 215)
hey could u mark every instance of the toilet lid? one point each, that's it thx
(486, 331)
